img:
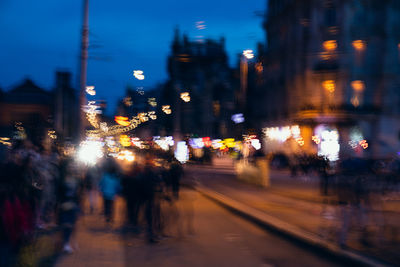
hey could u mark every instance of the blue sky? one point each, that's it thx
(42, 36)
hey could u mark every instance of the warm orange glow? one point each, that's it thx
(329, 85)
(355, 101)
(124, 121)
(359, 45)
(363, 144)
(300, 141)
(330, 45)
(358, 85)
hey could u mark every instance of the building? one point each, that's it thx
(200, 87)
(332, 77)
(66, 107)
(27, 106)
(37, 111)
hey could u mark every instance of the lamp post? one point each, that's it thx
(244, 70)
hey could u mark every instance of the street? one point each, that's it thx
(198, 233)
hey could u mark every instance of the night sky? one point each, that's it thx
(42, 36)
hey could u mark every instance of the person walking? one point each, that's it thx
(109, 186)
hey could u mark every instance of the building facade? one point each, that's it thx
(201, 70)
(332, 76)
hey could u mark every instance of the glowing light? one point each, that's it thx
(358, 85)
(207, 142)
(164, 142)
(200, 25)
(229, 142)
(248, 54)
(237, 118)
(125, 140)
(166, 109)
(256, 144)
(90, 152)
(216, 143)
(152, 102)
(90, 90)
(128, 101)
(143, 117)
(364, 144)
(330, 45)
(329, 85)
(185, 96)
(316, 139)
(329, 146)
(126, 155)
(124, 121)
(138, 74)
(196, 142)
(300, 141)
(282, 134)
(359, 45)
(182, 152)
(355, 101)
(152, 115)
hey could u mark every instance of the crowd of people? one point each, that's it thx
(44, 189)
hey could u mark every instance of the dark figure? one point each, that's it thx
(133, 194)
(175, 173)
(68, 193)
(322, 166)
(110, 187)
(148, 184)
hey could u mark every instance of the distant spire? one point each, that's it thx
(176, 43)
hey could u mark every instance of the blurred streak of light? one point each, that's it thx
(185, 96)
(90, 151)
(121, 120)
(248, 53)
(316, 139)
(330, 45)
(166, 109)
(90, 90)
(329, 85)
(359, 45)
(138, 74)
(358, 85)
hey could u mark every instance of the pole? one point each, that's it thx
(83, 67)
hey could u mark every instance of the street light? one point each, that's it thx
(185, 96)
(138, 74)
(248, 54)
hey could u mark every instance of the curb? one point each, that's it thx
(287, 229)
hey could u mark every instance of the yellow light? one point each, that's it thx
(166, 109)
(185, 96)
(124, 121)
(358, 85)
(330, 45)
(125, 140)
(90, 90)
(364, 144)
(329, 85)
(316, 139)
(359, 45)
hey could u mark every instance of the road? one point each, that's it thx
(217, 238)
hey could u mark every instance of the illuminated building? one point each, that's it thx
(332, 67)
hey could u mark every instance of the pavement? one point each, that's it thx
(293, 207)
(196, 232)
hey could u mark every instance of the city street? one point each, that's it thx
(199, 233)
(297, 201)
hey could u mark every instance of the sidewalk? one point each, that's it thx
(308, 218)
(95, 243)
